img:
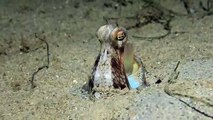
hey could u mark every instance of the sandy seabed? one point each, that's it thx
(69, 27)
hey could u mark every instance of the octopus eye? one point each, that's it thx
(120, 35)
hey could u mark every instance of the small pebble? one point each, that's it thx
(57, 76)
(97, 95)
(74, 81)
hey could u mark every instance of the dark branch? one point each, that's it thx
(44, 66)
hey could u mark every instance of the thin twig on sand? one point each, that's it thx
(44, 66)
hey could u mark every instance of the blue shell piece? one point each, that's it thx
(133, 83)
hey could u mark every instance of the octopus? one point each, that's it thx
(116, 66)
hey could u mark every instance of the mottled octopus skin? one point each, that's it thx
(109, 70)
